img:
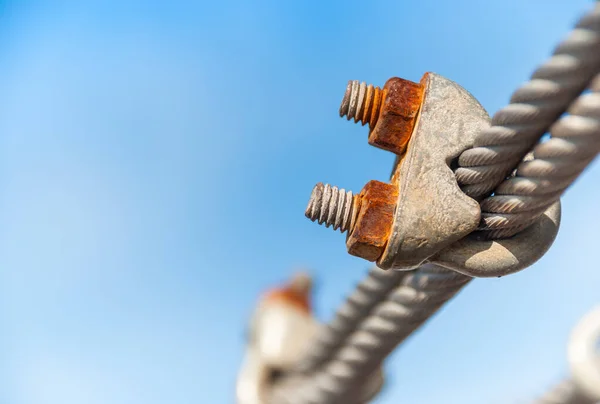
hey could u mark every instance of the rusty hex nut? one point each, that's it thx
(397, 115)
(375, 205)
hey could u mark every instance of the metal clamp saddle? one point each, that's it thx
(422, 215)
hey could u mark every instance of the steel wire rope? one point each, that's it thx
(515, 130)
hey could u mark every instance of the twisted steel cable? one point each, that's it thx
(556, 163)
(418, 296)
(515, 130)
(367, 294)
(533, 108)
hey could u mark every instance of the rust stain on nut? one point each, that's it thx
(376, 205)
(400, 104)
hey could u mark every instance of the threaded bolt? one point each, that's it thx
(362, 103)
(332, 206)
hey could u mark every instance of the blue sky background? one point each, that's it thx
(155, 162)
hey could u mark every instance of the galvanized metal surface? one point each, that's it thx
(494, 258)
(437, 231)
(449, 120)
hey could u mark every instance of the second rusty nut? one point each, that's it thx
(367, 217)
(375, 207)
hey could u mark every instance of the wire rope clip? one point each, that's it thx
(433, 217)
(422, 215)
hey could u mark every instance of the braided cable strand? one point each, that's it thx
(418, 296)
(515, 129)
(533, 108)
(556, 163)
(367, 294)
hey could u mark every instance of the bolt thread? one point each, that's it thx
(362, 102)
(332, 206)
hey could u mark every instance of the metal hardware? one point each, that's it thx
(391, 113)
(367, 216)
(425, 217)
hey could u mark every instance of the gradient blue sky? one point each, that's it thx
(155, 162)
